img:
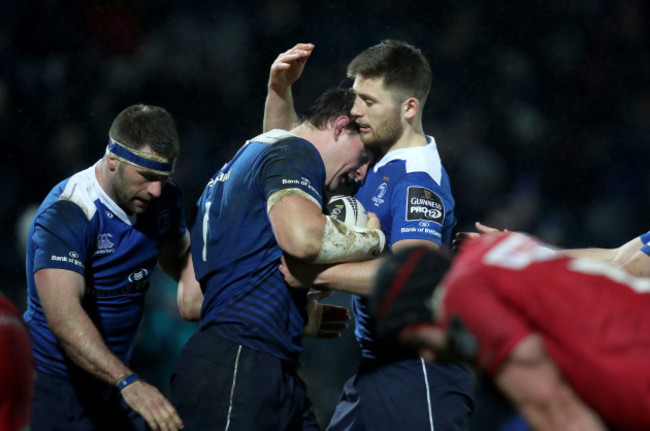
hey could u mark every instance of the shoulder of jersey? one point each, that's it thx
(81, 189)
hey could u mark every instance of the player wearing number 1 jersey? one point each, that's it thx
(409, 191)
(240, 369)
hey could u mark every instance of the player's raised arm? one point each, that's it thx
(279, 110)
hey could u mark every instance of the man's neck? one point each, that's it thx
(311, 134)
(101, 173)
(409, 139)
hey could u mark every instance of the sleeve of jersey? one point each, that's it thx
(418, 209)
(62, 238)
(646, 243)
(498, 327)
(293, 163)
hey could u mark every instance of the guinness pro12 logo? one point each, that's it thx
(423, 204)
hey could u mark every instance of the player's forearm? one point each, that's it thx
(602, 254)
(567, 413)
(537, 388)
(189, 295)
(356, 278)
(83, 343)
(279, 111)
(617, 256)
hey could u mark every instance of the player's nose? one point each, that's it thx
(356, 110)
(154, 188)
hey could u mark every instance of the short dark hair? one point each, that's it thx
(330, 105)
(403, 67)
(140, 125)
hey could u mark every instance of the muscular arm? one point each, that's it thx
(176, 260)
(305, 233)
(628, 256)
(298, 224)
(189, 295)
(279, 110)
(530, 379)
(60, 292)
(356, 278)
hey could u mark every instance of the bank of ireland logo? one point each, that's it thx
(379, 194)
(105, 244)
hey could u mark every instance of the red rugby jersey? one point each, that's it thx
(16, 368)
(594, 319)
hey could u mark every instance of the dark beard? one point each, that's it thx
(385, 135)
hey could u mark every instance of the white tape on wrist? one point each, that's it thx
(344, 243)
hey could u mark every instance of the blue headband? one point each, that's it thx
(151, 162)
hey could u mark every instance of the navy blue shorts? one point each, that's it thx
(221, 385)
(81, 404)
(407, 394)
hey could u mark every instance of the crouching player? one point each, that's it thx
(566, 340)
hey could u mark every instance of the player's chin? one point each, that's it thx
(139, 206)
(368, 138)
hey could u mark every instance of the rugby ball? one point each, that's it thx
(348, 210)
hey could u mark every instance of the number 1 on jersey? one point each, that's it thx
(205, 225)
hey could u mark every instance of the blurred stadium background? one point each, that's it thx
(541, 111)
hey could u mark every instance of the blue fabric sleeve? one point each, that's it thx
(293, 163)
(418, 209)
(62, 236)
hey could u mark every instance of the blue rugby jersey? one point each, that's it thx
(79, 228)
(234, 250)
(409, 191)
(645, 238)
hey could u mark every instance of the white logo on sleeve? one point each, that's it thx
(72, 257)
(423, 204)
(104, 244)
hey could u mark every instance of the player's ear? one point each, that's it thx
(340, 125)
(112, 163)
(410, 108)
